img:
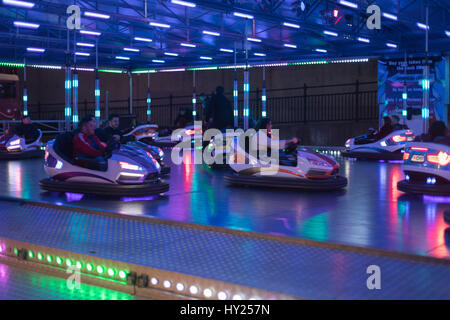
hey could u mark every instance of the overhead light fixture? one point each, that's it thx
(22, 4)
(291, 25)
(423, 26)
(84, 44)
(253, 39)
(365, 40)
(447, 33)
(390, 16)
(131, 49)
(335, 13)
(243, 15)
(190, 45)
(161, 25)
(391, 45)
(348, 4)
(84, 54)
(330, 33)
(122, 58)
(172, 70)
(143, 39)
(226, 50)
(259, 54)
(22, 24)
(90, 33)
(211, 33)
(96, 15)
(184, 3)
(172, 54)
(205, 58)
(288, 45)
(158, 61)
(321, 50)
(38, 50)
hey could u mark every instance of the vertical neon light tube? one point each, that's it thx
(25, 94)
(97, 97)
(149, 99)
(426, 83)
(194, 100)
(246, 98)
(68, 90)
(75, 99)
(264, 97)
(405, 95)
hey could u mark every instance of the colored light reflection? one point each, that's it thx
(74, 196)
(130, 199)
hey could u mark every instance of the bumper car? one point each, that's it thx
(298, 168)
(148, 133)
(388, 148)
(13, 147)
(125, 171)
(220, 150)
(427, 170)
(155, 152)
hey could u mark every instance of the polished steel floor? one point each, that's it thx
(371, 212)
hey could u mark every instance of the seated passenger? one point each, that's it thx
(437, 133)
(27, 130)
(86, 145)
(385, 129)
(112, 131)
(260, 144)
(396, 123)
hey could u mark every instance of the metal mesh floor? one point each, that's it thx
(18, 284)
(299, 270)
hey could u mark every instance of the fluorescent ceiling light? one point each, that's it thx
(211, 33)
(390, 16)
(22, 24)
(363, 40)
(90, 33)
(143, 39)
(423, 26)
(84, 54)
(348, 4)
(321, 50)
(38, 50)
(172, 70)
(157, 24)
(188, 45)
(22, 4)
(288, 45)
(226, 50)
(122, 58)
(253, 39)
(391, 45)
(447, 33)
(158, 61)
(184, 3)
(330, 33)
(243, 15)
(131, 49)
(291, 25)
(84, 44)
(172, 54)
(259, 54)
(96, 15)
(205, 58)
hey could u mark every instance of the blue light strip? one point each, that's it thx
(68, 92)
(97, 99)
(25, 102)
(75, 99)
(149, 102)
(246, 98)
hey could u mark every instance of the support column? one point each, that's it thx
(25, 94)
(149, 99)
(235, 93)
(75, 99)
(194, 99)
(131, 92)
(264, 97)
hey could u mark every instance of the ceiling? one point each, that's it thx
(130, 19)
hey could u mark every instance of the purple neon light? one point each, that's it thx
(22, 24)
(22, 4)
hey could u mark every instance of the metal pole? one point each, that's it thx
(246, 84)
(107, 103)
(131, 92)
(25, 95)
(68, 87)
(426, 82)
(194, 99)
(75, 85)
(405, 94)
(149, 99)
(264, 97)
(235, 93)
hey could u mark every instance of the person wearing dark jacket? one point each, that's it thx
(385, 130)
(112, 131)
(396, 123)
(27, 130)
(221, 110)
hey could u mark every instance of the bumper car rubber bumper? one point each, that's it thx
(423, 188)
(4, 155)
(373, 155)
(165, 170)
(104, 189)
(332, 183)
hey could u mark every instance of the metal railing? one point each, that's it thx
(46, 126)
(341, 102)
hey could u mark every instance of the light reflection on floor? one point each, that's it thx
(370, 212)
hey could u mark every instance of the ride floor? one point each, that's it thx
(370, 212)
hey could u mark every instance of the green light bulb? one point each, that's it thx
(40, 256)
(122, 274)
(89, 267)
(79, 265)
(100, 269)
(111, 272)
(16, 251)
(49, 258)
(58, 260)
(30, 254)
(68, 262)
